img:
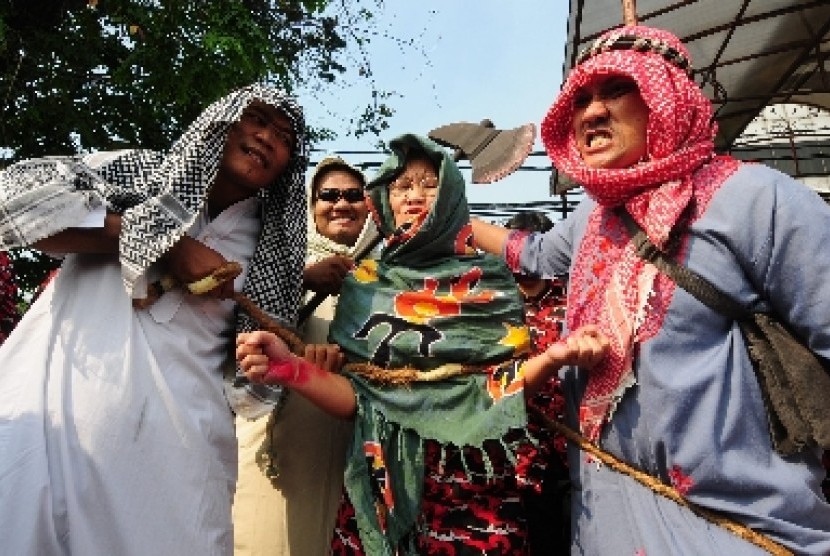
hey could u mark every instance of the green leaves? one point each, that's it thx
(80, 75)
(83, 75)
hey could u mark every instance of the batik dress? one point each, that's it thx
(547, 504)
(433, 463)
(545, 317)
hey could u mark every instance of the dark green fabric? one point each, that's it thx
(424, 303)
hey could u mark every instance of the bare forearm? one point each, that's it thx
(489, 237)
(265, 358)
(85, 240)
(331, 392)
(537, 371)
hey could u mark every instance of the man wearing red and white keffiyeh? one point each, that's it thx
(677, 397)
(657, 187)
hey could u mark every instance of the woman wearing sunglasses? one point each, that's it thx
(291, 462)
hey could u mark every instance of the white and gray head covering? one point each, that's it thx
(182, 181)
(160, 195)
(320, 246)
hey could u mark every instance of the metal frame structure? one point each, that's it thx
(751, 58)
(747, 54)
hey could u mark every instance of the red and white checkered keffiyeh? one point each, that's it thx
(610, 285)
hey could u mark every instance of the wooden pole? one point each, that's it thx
(629, 12)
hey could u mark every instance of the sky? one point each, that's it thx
(468, 60)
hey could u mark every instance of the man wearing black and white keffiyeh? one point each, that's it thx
(115, 431)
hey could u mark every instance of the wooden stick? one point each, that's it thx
(629, 12)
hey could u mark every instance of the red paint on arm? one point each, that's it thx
(290, 373)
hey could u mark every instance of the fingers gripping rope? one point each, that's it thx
(219, 276)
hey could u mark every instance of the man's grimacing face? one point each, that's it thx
(610, 121)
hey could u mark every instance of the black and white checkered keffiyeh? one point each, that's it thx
(160, 196)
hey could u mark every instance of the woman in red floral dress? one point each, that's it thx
(548, 510)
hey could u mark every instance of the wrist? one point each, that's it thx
(291, 371)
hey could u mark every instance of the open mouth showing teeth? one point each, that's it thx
(256, 156)
(597, 139)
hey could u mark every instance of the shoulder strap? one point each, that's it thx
(697, 285)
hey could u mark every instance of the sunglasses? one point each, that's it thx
(332, 195)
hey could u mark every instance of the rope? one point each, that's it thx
(295, 344)
(408, 375)
(738, 529)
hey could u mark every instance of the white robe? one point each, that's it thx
(115, 435)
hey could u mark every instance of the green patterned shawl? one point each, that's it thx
(429, 300)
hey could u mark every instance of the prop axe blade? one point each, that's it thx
(493, 153)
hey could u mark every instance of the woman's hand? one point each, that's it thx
(265, 358)
(326, 276)
(584, 347)
(325, 356)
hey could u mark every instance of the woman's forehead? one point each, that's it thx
(420, 165)
(340, 178)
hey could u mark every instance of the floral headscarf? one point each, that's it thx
(610, 285)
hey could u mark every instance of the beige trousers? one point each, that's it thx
(294, 513)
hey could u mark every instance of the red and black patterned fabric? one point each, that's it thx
(462, 511)
(521, 509)
(9, 314)
(548, 508)
(545, 316)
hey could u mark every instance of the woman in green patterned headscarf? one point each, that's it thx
(444, 320)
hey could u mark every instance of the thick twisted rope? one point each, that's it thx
(294, 343)
(228, 271)
(407, 375)
(738, 529)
